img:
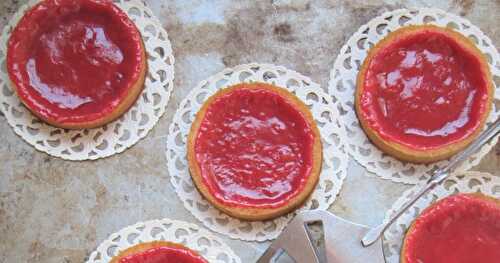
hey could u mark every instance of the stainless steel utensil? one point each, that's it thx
(341, 241)
(342, 237)
(437, 178)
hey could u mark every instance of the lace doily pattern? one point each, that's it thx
(342, 87)
(465, 182)
(116, 136)
(334, 158)
(190, 235)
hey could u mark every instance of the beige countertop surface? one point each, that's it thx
(52, 210)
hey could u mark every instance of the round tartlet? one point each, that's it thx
(423, 93)
(254, 151)
(76, 63)
(461, 228)
(158, 251)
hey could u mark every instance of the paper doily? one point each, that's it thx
(116, 136)
(466, 182)
(190, 235)
(334, 159)
(342, 86)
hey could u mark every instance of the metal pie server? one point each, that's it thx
(348, 242)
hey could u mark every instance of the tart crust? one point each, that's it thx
(254, 213)
(139, 248)
(485, 198)
(132, 91)
(404, 152)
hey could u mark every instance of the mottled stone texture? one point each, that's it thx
(53, 210)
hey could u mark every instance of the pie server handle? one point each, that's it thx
(438, 177)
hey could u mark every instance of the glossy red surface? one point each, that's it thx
(164, 255)
(424, 91)
(73, 61)
(458, 229)
(254, 149)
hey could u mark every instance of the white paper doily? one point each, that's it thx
(465, 182)
(342, 87)
(334, 158)
(116, 136)
(190, 235)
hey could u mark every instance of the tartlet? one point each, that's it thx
(76, 63)
(423, 93)
(158, 251)
(461, 228)
(254, 151)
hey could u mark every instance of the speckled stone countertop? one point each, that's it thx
(53, 210)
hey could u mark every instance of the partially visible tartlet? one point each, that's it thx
(158, 252)
(254, 151)
(462, 228)
(423, 93)
(76, 63)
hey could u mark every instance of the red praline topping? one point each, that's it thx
(73, 61)
(458, 229)
(164, 254)
(424, 90)
(254, 148)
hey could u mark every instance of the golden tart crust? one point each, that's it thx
(262, 211)
(147, 246)
(403, 151)
(78, 63)
(452, 208)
